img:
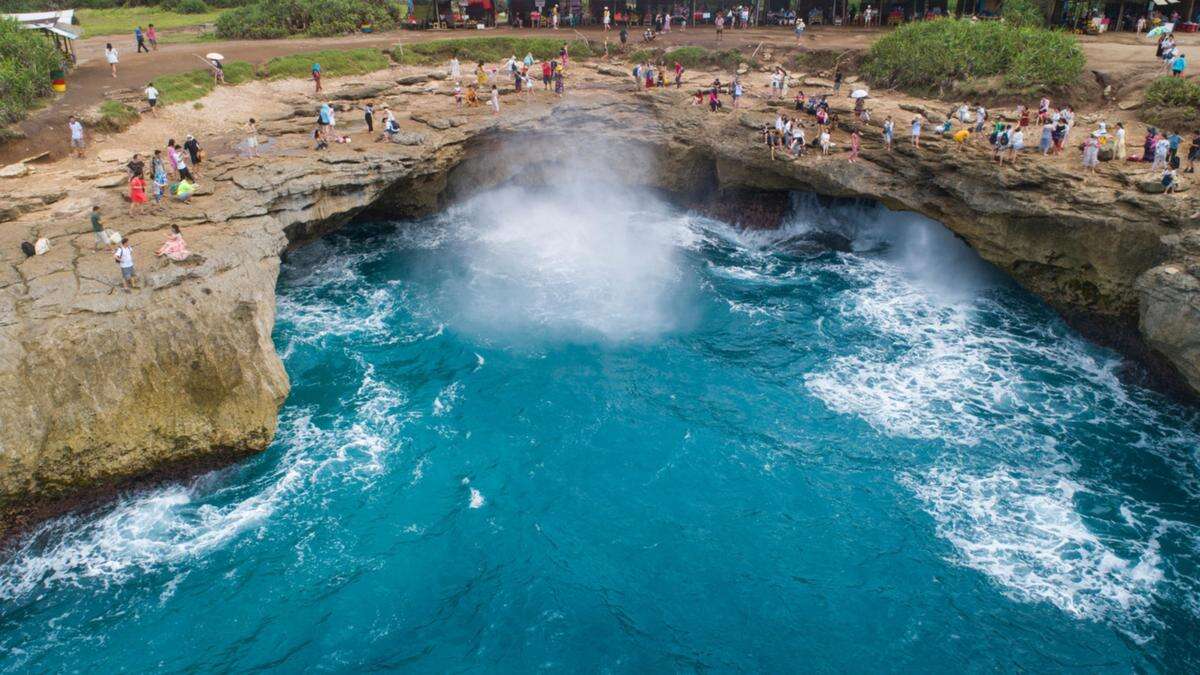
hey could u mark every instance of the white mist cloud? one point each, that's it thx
(579, 262)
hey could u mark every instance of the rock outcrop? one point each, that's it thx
(101, 387)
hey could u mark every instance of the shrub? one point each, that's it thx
(1022, 13)
(1172, 102)
(185, 6)
(26, 61)
(488, 50)
(931, 56)
(268, 19)
(334, 63)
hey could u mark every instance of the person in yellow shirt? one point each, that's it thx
(961, 136)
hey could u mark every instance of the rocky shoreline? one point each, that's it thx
(102, 389)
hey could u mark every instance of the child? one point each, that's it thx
(472, 97)
(495, 102)
(458, 95)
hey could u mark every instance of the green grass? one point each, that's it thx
(123, 20)
(334, 63)
(187, 37)
(488, 50)
(194, 84)
(115, 116)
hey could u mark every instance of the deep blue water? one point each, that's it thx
(585, 431)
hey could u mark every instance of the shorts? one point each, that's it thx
(100, 237)
(153, 102)
(76, 142)
(127, 273)
(252, 142)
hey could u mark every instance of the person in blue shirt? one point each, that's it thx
(141, 40)
(1174, 139)
(1178, 64)
(316, 76)
(324, 125)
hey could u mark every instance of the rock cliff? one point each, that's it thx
(101, 387)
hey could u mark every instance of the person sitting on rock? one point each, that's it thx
(174, 247)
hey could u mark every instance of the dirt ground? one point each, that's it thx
(1125, 58)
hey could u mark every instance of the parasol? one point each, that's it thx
(213, 56)
(859, 93)
(1160, 30)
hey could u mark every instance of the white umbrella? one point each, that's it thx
(213, 56)
(859, 93)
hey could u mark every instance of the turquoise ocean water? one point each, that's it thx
(589, 432)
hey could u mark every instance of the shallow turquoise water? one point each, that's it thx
(570, 431)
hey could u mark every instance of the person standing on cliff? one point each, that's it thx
(916, 132)
(194, 152)
(98, 231)
(889, 132)
(855, 142)
(325, 121)
(252, 137)
(77, 142)
(1119, 143)
(316, 78)
(124, 259)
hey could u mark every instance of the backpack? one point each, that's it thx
(27, 249)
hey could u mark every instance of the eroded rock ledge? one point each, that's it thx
(100, 387)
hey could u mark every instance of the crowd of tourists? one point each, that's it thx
(807, 126)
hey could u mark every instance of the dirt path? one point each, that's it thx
(1125, 57)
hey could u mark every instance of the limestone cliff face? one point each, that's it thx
(100, 387)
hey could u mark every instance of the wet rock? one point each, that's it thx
(412, 79)
(1169, 316)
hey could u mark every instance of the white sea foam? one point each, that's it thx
(477, 501)
(1025, 532)
(943, 359)
(137, 535)
(178, 523)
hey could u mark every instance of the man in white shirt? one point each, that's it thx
(77, 142)
(151, 97)
(124, 257)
